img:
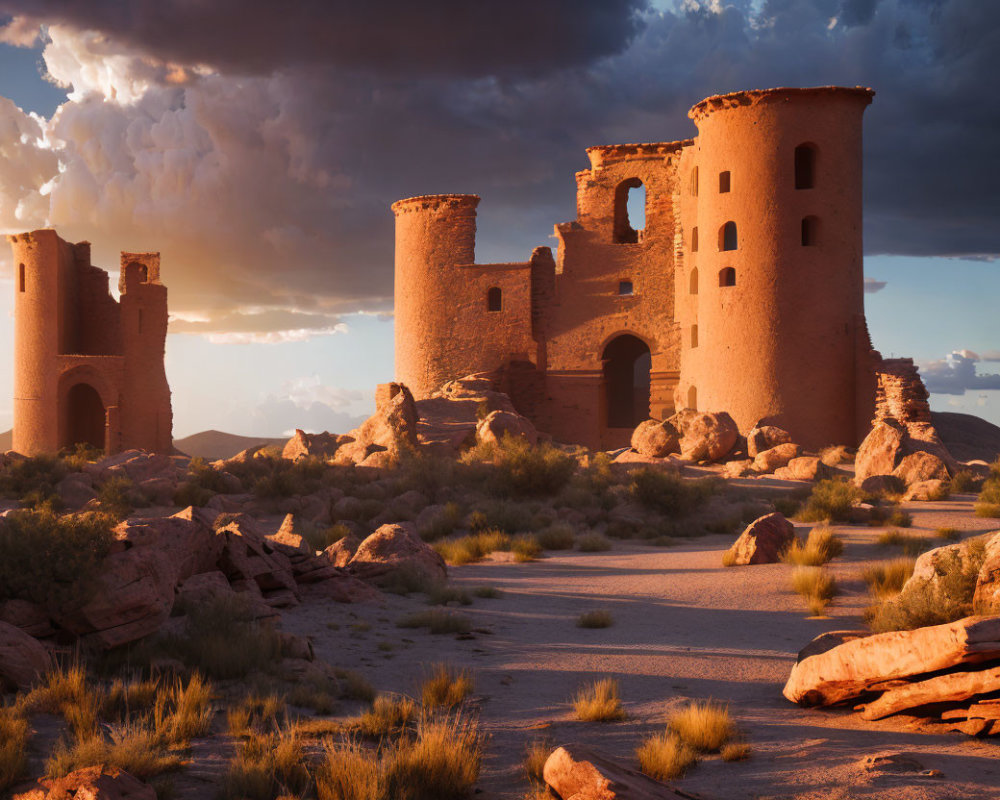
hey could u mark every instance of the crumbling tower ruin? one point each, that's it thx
(87, 368)
(741, 291)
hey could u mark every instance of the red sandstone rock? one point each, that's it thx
(655, 439)
(986, 599)
(829, 640)
(889, 444)
(185, 539)
(91, 783)
(776, 457)
(856, 666)
(882, 484)
(340, 553)
(919, 467)
(950, 688)
(29, 617)
(290, 539)
(705, 436)
(738, 469)
(498, 424)
(764, 438)
(248, 556)
(396, 548)
(22, 659)
(804, 468)
(323, 445)
(579, 773)
(763, 541)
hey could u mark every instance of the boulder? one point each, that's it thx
(186, 540)
(889, 442)
(29, 617)
(393, 549)
(655, 439)
(937, 571)
(409, 504)
(23, 659)
(289, 540)
(857, 666)
(322, 445)
(704, 436)
(498, 424)
(738, 469)
(880, 485)
(91, 783)
(804, 468)
(986, 599)
(763, 541)
(159, 491)
(340, 553)
(921, 466)
(76, 490)
(927, 491)
(764, 437)
(775, 457)
(247, 555)
(579, 773)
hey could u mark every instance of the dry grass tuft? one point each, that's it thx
(830, 501)
(437, 621)
(816, 585)
(467, 549)
(388, 714)
(13, 747)
(595, 619)
(948, 534)
(535, 755)
(887, 577)
(599, 702)
(704, 726)
(445, 687)
(348, 772)
(441, 763)
(821, 546)
(266, 766)
(558, 536)
(736, 751)
(663, 756)
(912, 545)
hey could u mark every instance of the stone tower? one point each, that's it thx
(87, 368)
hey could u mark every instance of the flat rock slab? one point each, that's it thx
(951, 688)
(578, 773)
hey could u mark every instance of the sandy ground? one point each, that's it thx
(685, 628)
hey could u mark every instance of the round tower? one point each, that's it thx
(780, 304)
(435, 234)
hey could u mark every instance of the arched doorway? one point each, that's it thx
(627, 362)
(85, 417)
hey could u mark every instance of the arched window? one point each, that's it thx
(625, 288)
(694, 239)
(694, 336)
(724, 182)
(693, 398)
(693, 286)
(805, 166)
(694, 182)
(630, 210)
(810, 231)
(494, 299)
(20, 277)
(727, 236)
(727, 276)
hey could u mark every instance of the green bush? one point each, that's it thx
(119, 497)
(559, 536)
(50, 559)
(668, 493)
(32, 481)
(831, 501)
(505, 515)
(964, 482)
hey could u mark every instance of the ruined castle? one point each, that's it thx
(743, 290)
(87, 368)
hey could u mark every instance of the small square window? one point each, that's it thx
(625, 288)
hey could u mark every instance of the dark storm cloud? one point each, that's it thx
(465, 37)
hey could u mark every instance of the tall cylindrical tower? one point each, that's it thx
(434, 235)
(39, 315)
(780, 284)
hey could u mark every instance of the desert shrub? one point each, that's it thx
(487, 592)
(425, 472)
(442, 594)
(119, 497)
(317, 692)
(887, 577)
(556, 537)
(536, 753)
(441, 763)
(407, 580)
(893, 487)
(525, 547)
(942, 492)
(964, 482)
(599, 701)
(831, 500)
(668, 493)
(445, 687)
(273, 477)
(663, 756)
(593, 543)
(948, 534)
(816, 586)
(437, 621)
(912, 545)
(520, 469)
(266, 766)
(78, 456)
(50, 559)
(820, 546)
(188, 494)
(787, 506)
(899, 518)
(32, 481)
(504, 515)
(595, 619)
(13, 747)
(473, 547)
(988, 503)
(441, 524)
(704, 726)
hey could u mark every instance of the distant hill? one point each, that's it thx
(213, 445)
(6, 438)
(966, 436)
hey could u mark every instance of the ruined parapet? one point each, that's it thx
(901, 394)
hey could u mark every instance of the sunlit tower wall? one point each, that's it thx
(776, 331)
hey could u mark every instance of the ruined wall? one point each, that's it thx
(901, 394)
(79, 369)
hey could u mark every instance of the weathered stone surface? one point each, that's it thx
(185, 539)
(951, 688)
(804, 468)
(851, 668)
(829, 640)
(159, 491)
(705, 436)
(763, 541)
(927, 491)
(322, 445)
(91, 783)
(775, 457)
(136, 465)
(289, 539)
(986, 599)
(395, 548)
(882, 484)
(76, 490)
(340, 553)
(921, 466)
(393, 426)
(934, 569)
(738, 468)
(764, 437)
(655, 438)
(23, 659)
(29, 617)
(498, 424)
(579, 773)
(889, 442)
(247, 555)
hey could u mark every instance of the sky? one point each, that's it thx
(260, 153)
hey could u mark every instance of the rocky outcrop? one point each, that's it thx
(804, 468)
(986, 597)
(900, 394)
(91, 783)
(891, 448)
(705, 436)
(764, 437)
(395, 549)
(498, 424)
(763, 541)
(579, 773)
(390, 429)
(775, 457)
(320, 445)
(340, 553)
(655, 439)
(23, 660)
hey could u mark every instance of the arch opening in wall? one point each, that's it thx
(727, 276)
(627, 362)
(727, 237)
(630, 211)
(805, 166)
(494, 299)
(724, 181)
(693, 398)
(693, 282)
(84, 417)
(694, 239)
(810, 231)
(139, 271)
(20, 277)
